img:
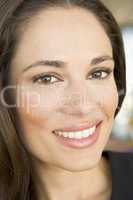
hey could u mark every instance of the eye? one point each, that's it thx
(100, 74)
(45, 79)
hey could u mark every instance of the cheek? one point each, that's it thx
(36, 105)
(108, 99)
(39, 105)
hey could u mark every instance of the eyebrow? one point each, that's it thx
(62, 64)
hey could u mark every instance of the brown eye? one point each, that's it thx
(45, 79)
(100, 74)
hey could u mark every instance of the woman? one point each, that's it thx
(53, 134)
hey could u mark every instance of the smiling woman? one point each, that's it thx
(65, 60)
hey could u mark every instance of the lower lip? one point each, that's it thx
(80, 143)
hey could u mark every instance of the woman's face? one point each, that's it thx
(73, 91)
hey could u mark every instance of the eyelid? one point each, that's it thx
(105, 69)
(41, 75)
(108, 70)
(100, 69)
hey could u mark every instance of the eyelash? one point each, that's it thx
(42, 76)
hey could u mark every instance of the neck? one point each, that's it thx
(57, 183)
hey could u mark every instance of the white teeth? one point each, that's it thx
(65, 134)
(71, 135)
(91, 130)
(86, 133)
(77, 134)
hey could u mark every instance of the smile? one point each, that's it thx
(78, 139)
(77, 134)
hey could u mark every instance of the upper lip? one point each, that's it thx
(80, 127)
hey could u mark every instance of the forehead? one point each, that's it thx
(62, 34)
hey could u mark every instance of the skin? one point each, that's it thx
(76, 37)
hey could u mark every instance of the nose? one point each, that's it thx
(79, 100)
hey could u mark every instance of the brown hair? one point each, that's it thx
(16, 173)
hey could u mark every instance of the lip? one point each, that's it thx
(82, 143)
(79, 127)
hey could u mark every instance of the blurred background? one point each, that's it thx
(122, 134)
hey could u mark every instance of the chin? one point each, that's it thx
(79, 165)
